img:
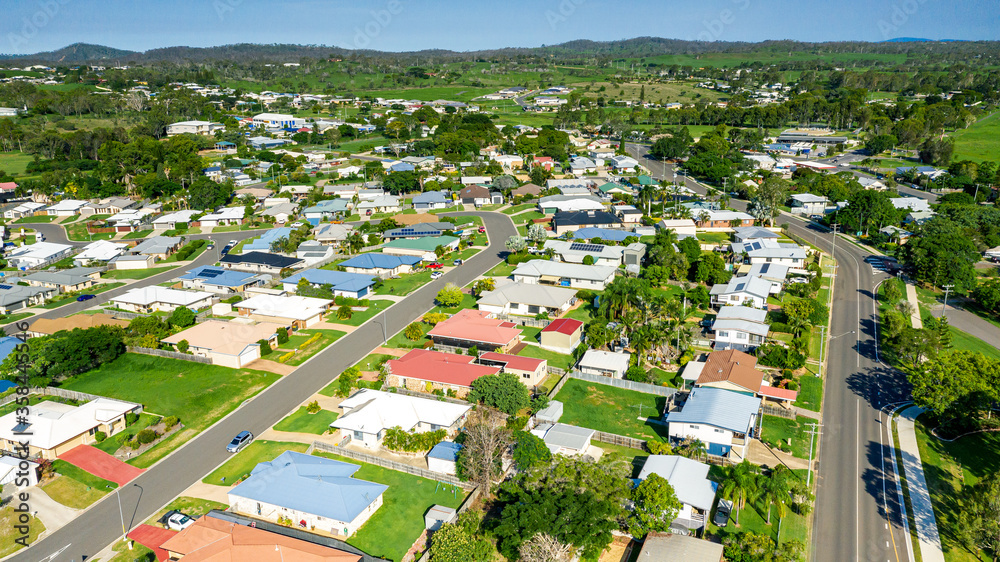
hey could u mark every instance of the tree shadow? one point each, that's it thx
(866, 385)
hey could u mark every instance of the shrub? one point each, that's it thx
(183, 346)
(265, 347)
(146, 436)
(413, 332)
(100, 436)
(517, 423)
(233, 299)
(659, 447)
(772, 355)
(286, 356)
(344, 312)
(434, 318)
(410, 441)
(282, 335)
(313, 407)
(131, 418)
(793, 385)
(171, 421)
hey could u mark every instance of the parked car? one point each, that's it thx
(178, 521)
(82, 298)
(437, 274)
(722, 512)
(241, 440)
(233, 242)
(458, 262)
(434, 265)
(482, 229)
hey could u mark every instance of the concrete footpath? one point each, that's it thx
(916, 485)
(911, 295)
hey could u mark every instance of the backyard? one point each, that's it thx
(198, 394)
(611, 409)
(396, 525)
(557, 360)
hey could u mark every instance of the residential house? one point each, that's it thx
(52, 428)
(509, 161)
(570, 203)
(65, 208)
(313, 492)
(37, 255)
(226, 216)
(418, 230)
(562, 335)
(722, 220)
(577, 276)
(443, 457)
(220, 281)
(430, 200)
(153, 298)
(213, 173)
(570, 221)
(332, 234)
(258, 193)
(682, 227)
(175, 220)
(26, 209)
(579, 166)
(380, 265)
(912, 204)
(367, 414)
(159, 247)
(230, 344)
(566, 440)
(623, 164)
(526, 299)
(424, 247)
(689, 479)
(671, 547)
(101, 251)
(529, 370)
(207, 128)
(471, 180)
(64, 280)
(476, 195)
(108, 206)
(721, 419)
(735, 370)
(131, 262)
(264, 242)
(808, 204)
(227, 536)
(773, 272)
(370, 194)
(49, 326)
(424, 370)
(340, 283)
(741, 290)
(282, 212)
(627, 214)
(476, 328)
(576, 252)
(604, 363)
(918, 217)
(383, 204)
(259, 262)
(278, 120)
(610, 189)
(527, 190)
(17, 297)
(17, 473)
(871, 183)
(326, 209)
(768, 250)
(298, 312)
(749, 233)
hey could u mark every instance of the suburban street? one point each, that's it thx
(856, 504)
(100, 525)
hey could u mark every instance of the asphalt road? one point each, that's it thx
(857, 516)
(89, 533)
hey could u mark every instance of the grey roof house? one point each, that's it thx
(721, 419)
(689, 479)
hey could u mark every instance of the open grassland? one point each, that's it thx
(980, 142)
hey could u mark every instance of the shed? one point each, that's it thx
(443, 456)
(438, 515)
(550, 413)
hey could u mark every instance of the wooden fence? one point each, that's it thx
(52, 391)
(386, 463)
(615, 439)
(170, 354)
(778, 411)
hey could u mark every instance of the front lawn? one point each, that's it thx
(360, 317)
(137, 234)
(611, 409)
(557, 360)
(198, 394)
(583, 313)
(396, 525)
(35, 219)
(243, 462)
(519, 208)
(135, 273)
(810, 393)
(400, 341)
(114, 442)
(8, 519)
(303, 422)
(779, 430)
(502, 269)
(405, 285)
(67, 298)
(77, 232)
(753, 519)
(75, 487)
(713, 237)
(192, 507)
(525, 218)
(328, 337)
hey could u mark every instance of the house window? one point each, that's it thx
(723, 334)
(719, 430)
(359, 436)
(693, 427)
(741, 336)
(532, 309)
(526, 376)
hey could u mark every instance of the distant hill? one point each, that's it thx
(636, 47)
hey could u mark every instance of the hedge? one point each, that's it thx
(286, 357)
(309, 341)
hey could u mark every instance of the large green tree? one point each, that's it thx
(503, 391)
(941, 254)
(655, 506)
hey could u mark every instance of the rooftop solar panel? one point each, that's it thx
(765, 267)
(579, 247)
(6, 287)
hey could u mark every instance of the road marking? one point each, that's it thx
(57, 553)
(857, 486)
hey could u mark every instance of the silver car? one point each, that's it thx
(241, 440)
(722, 512)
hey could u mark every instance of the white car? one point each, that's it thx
(178, 522)
(436, 274)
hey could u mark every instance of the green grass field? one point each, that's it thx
(196, 393)
(557, 360)
(35, 219)
(405, 285)
(400, 341)
(303, 422)
(980, 142)
(8, 519)
(243, 462)
(15, 162)
(810, 393)
(778, 430)
(610, 409)
(396, 525)
(360, 317)
(328, 337)
(135, 273)
(193, 507)
(114, 442)
(71, 297)
(75, 487)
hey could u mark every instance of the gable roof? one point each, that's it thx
(261, 258)
(527, 293)
(689, 478)
(509, 361)
(561, 436)
(717, 407)
(734, 367)
(567, 326)
(379, 261)
(749, 284)
(440, 367)
(309, 484)
(53, 423)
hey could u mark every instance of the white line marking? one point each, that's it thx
(857, 486)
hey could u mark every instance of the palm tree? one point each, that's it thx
(774, 491)
(743, 482)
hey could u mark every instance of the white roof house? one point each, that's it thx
(25, 209)
(914, 204)
(562, 439)
(224, 216)
(742, 289)
(36, 254)
(526, 299)
(575, 252)
(740, 327)
(303, 309)
(65, 208)
(52, 423)
(170, 220)
(573, 275)
(368, 413)
(689, 479)
(154, 297)
(101, 250)
(604, 363)
(768, 250)
(557, 203)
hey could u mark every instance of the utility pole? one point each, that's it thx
(944, 309)
(813, 432)
(834, 253)
(822, 337)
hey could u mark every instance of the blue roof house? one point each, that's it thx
(609, 234)
(430, 200)
(314, 492)
(221, 281)
(402, 167)
(443, 456)
(721, 419)
(263, 244)
(341, 283)
(383, 265)
(325, 209)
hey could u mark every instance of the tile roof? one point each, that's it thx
(476, 326)
(513, 361)
(734, 367)
(436, 366)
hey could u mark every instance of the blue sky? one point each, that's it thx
(402, 25)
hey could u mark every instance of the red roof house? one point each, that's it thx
(562, 335)
(476, 328)
(424, 370)
(531, 371)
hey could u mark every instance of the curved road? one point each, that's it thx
(857, 516)
(92, 531)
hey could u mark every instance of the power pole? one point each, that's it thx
(834, 253)
(822, 337)
(944, 309)
(813, 432)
